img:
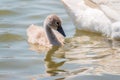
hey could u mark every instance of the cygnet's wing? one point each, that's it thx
(37, 35)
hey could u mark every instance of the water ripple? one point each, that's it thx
(8, 37)
(7, 12)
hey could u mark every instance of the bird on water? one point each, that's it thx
(102, 16)
(51, 34)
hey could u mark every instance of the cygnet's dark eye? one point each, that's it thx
(57, 23)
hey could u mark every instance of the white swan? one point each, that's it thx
(96, 15)
(51, 34)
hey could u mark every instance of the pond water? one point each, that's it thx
(85, 56)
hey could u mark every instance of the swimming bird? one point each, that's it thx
(101, 16)
(51, 35)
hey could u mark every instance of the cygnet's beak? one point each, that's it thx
(60, 29)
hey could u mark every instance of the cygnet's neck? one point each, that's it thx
(51, 36)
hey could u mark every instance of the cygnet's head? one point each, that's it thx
(54, 22)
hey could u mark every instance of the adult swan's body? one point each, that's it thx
(95, 15)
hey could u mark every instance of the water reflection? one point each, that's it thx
(98, 54)
(53, 58)
(52, 66)
(85, 53)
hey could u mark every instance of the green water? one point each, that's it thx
(85, 56)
